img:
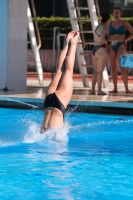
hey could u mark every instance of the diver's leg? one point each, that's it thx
(53, 85)
(65, 88)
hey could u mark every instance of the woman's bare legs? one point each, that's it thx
(99, 71)
(100, 60)
(124, 75)
(53, 85)
(94, 77)
(113, 57)
(65, 88)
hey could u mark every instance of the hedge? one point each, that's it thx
(46, 26)
(51, 22)
(61, 22)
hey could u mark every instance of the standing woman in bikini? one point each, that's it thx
(117, 32)
(99, 53)
(61, 88)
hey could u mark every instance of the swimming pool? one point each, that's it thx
(91, 158)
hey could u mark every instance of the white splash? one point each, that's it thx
(57, 135)
(6, 143)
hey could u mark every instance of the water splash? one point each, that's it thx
(117, 122)
(20, 102)
(33, 136)
(4, 143)
(57, 135)
(70, 111)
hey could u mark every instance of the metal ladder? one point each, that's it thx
(77, 24)
(33, 42)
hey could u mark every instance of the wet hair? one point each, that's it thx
(105, 17)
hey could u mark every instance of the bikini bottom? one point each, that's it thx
(52, 101)
(95, 48)
(116, 46)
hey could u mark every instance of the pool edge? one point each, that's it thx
(75, 105)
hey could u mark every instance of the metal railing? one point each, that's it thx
(36, 24)
(98, 11)
(33, 47)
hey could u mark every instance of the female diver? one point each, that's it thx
(117, 32)
(61, 88)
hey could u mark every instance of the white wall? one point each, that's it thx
(15, 44)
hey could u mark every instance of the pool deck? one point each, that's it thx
(35, 95)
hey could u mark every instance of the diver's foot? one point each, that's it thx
(113, 91)
(92, 92)
(101, 93)
(128, 91)
(70, 36)
(75, 37)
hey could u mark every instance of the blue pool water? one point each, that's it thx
(90, 159)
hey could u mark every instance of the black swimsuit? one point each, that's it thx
(52, 101)
(95, 48)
